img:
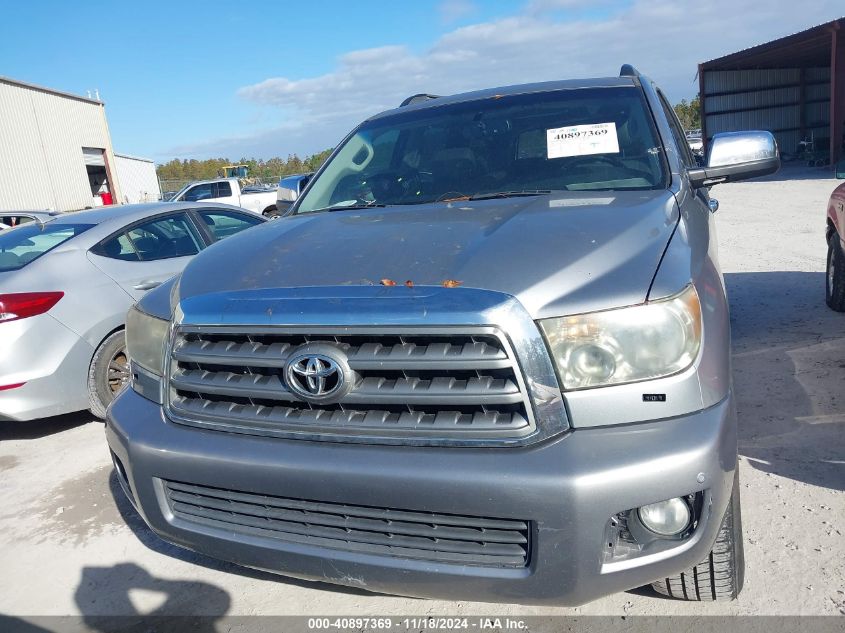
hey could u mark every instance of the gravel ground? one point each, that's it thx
(70, 543)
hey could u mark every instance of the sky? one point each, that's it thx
(265, 78)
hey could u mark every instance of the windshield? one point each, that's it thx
(24, 244)
(586, 139)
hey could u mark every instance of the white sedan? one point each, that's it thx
(66, 284)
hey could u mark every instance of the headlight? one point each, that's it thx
(626, 345)
(146, 337)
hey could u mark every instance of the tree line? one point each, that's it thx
(689, 113)
(266, 170)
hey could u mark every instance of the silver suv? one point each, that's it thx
(485, 355)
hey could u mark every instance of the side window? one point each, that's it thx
(222, 224)
(163, 238)
(200, 192)
(118, 247)
(677, 132)
(15, 220)
(224, 190)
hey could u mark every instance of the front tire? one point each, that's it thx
(720, 576)
(108, 373)
(835, 277)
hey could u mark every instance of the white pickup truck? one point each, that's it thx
(228, 190)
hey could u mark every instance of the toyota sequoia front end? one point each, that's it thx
(485, 356)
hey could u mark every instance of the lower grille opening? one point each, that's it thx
(437, 537)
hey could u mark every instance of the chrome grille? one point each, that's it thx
(409, 384)
(430, 536)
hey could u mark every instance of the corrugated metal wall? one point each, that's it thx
(771, 100)
(41, 140)
(138, 179)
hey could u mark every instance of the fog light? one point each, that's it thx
(666, 518)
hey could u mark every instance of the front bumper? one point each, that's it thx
(568, 488)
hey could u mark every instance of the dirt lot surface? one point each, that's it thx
(71, 544)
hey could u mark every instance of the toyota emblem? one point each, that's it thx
(314, 377)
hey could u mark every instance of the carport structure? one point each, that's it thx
(793, 87)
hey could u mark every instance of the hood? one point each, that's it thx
(561, 254)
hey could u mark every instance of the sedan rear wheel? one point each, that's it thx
(108, 374)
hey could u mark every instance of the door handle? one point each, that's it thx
(147, 285)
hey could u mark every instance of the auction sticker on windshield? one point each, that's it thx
(582, 140)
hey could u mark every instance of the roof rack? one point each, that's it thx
(628, 71)
(418, 98)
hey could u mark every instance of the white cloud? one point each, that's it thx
(664, 38)
(542, 6)
(453, 10)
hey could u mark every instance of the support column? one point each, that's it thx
(802, 104)
(837, 92)
(702, 109)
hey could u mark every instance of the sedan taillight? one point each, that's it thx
(21, 305)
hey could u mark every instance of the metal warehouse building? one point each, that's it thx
(138, 179)
(793, 87)
(56, 153)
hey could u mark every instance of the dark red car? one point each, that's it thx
(835, 234)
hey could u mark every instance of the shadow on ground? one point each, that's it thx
(799, 170)
(35, 429)
(789, 372)
(107, 590)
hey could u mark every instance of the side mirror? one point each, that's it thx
(287, 194)
(735, 156)
(291, 186)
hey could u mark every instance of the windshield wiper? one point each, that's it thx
(509, 194)
(346, 207)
